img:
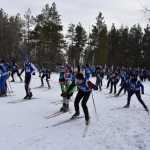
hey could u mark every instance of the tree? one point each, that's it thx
(77, 41)
(47, 36)
(123, 46)
(146, 46)
(113, 40)
(10, 35)
(118, 46)
(29, 21)
(135, 46)
(99, 41)
(71, 37)
(80, 43)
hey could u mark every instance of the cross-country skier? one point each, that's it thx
(87, 71)
(67, 83)
(14, 69)
(135, 87)
(99, 78)
(109, 74)
(84, 90)
(29, 71)
(4, 75)
(124, 81)
(113, 81)
(45, 73)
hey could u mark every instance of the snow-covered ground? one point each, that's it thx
(24, 126)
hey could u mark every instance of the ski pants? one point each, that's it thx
(84, 96)
(99, 83)
(113, 85)
(47, 80)
(27, 82)
(123, 87)
(138, 95)
(13, 72)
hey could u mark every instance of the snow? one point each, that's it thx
(24, 125)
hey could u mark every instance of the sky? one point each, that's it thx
(126, 12)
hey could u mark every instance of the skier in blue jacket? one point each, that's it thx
(135, 87)
(84, 90)
(4, 75)
(29, 71)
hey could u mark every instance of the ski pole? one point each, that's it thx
(94, 106)
(10, 88)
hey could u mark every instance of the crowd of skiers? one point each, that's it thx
(129, 80)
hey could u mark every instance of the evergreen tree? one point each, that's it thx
(100, 40)
(10, 35)
(48, 36)
(80, 43)
(77, 41)
(135, 46)
(146, 46)
(71, 44)
(123, 46)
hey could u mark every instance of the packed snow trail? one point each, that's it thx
(23, 125)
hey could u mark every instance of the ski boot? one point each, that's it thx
(21, 80)
(126, 106)
(87, 122)
(147, 110)
(3, 94)
(42, 85)
(75, 116)
(116, 95)
(64, 108)
(26, 97)
(30, 95)
(12, 80)
(49, 87)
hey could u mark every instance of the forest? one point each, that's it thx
(41, 39)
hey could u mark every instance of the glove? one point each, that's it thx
(63, 94)
(95, 88)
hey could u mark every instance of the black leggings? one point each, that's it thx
(84, 96)
(113, 85)
(27, 82)
(108, 83)
(47, 80)
(99, 83)
(123, 87)
(138, 95)
(13, 72)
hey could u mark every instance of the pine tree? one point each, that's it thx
(10, 35)
(80, 43)
(77, 41)
(100, 41)
(146, 46)
(123, 46)
(71, 37)
(49, 37)
(135, 46)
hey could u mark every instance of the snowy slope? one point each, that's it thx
(24, 125)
